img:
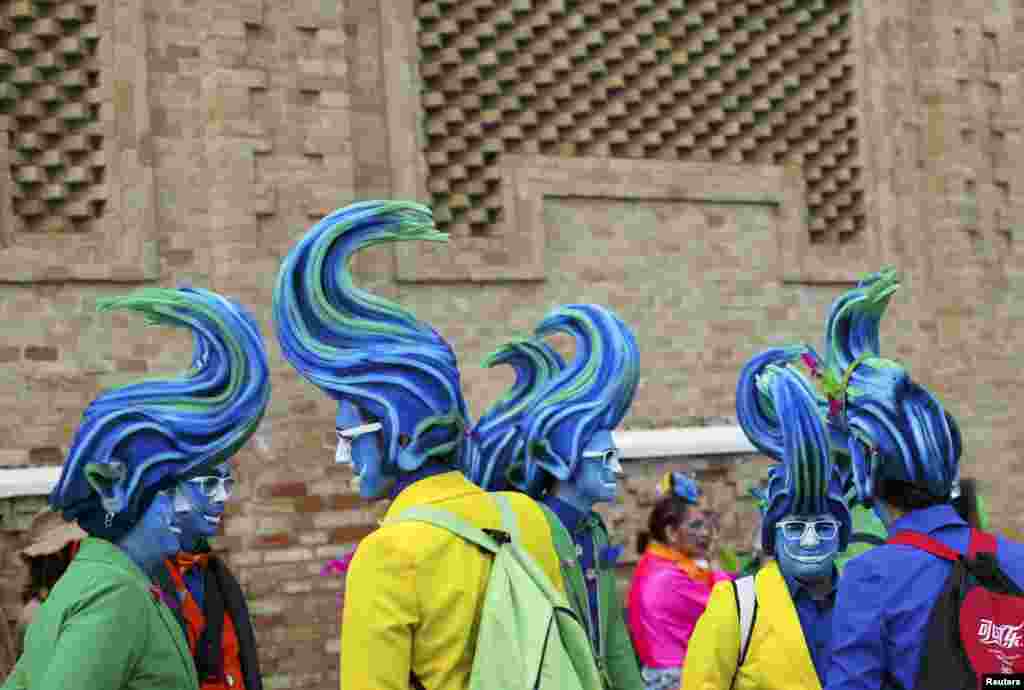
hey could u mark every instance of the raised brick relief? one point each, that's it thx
(50, 99)
(76, 164)
(744, 81)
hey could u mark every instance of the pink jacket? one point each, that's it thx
(664, 605)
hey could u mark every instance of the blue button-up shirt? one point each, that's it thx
(885, 597)
(815, 620)
(573, 519)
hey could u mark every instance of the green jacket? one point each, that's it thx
(614, 653)
(101, 628)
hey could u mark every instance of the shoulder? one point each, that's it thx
(1011, 559)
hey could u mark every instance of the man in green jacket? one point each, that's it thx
(104, 625)
(551, 438)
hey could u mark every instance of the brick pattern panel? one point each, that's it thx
(50, 100)
(756, 81)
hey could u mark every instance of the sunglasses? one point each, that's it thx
(346, 437)
(794, 530)
(210, 485)
(609, 458)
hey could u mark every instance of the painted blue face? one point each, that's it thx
(360, 444)
(806, 545)
(596, 479)
(199, 505)
(162, 539)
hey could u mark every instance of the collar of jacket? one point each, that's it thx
(103, 551)
(432, 489)
(685, 563)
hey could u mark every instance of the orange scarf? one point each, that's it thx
(685, 563)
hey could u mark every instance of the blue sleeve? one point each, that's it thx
(858, 656)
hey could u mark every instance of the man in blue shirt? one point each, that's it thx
(903, 453)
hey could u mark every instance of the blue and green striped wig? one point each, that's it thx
(138, 439)
(778, 410)
(888, 426)
(591, 394)
(496, 460)
(362, 348)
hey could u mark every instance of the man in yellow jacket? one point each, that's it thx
(772, 632)
(414, 591)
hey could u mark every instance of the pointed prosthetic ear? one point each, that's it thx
(110, 481)
(852, 327)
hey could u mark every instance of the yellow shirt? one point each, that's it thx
(777, 657)
(414, 592)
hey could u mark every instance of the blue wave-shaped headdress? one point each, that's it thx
(143, 436)
(498, 441)
(363, 348)
(889, 426)
(593, 392)
(779, 411)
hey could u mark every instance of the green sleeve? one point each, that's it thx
(622, 664)
(93, 643)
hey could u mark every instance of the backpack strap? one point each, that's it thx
(509, 522)
(981, 542)
(745, 592)
(924, 543)
(447, 521)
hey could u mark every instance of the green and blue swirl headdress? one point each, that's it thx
(887, 425)
(139, 438)
(779, 410)
(498, 442)
(360, 347)
(592, 393)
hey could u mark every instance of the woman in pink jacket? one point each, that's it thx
(672, 582)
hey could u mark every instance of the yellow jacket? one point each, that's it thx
(777, 658)
(413, 592)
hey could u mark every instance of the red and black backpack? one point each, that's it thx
(977, 625)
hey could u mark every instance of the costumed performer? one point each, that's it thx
(105, 624)
(556, 445)
(805, 523)
(205, 595)
(904, 451)
(414, 591)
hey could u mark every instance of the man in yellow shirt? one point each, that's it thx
(782, 644)
(414, 591)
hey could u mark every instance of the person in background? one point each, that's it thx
(204, 594)
(53, 543)
(672, 582)
(104, 624)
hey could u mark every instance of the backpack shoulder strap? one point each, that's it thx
(745, 591)
(924, 543)
(447, 521)
(982, 542)
(509, 522)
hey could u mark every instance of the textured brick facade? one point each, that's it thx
(228, 127)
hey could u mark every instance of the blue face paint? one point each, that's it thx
(360, 445)
(154, 537)
(596, 476)
(806, 545)
(199, 505)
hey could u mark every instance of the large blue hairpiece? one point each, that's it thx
(592, 393)
(891, 427)
(144, 435)
(498, 441)
(780, 412)
(360, 347)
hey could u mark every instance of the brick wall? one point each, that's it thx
(235, 124)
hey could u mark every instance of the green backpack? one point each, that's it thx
(529, 636)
